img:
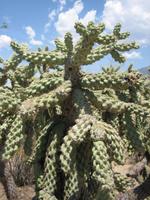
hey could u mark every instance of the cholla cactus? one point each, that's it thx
(81, 122)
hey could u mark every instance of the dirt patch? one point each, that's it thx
(24, 193)
(2, 193)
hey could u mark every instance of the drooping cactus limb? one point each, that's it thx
(76, 134)
(102, 170)
(51, 165)
(14, 138)
(39, 142)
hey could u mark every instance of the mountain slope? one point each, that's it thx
(145, 70)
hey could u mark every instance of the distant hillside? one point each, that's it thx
(145, 70)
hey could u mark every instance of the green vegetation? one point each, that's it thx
(77, 124)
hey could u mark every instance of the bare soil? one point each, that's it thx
(24, 193)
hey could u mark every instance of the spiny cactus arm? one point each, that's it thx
(52, 58)
(56, 96)
(122, 182)
(13, 62)
(98, 53)
(70, 72)
(5, 126)
(67, 150)
(24, 75)
(46, 196)
(68, 69)
(8, 101)
(40, 141)
(143, 131)
(126, 47)
(98, 131)
(81, 104)
(105, 102)
(60, 45)
(144, 102)
(120, 35)
(114, 120)
(118, 48)
(108, 45)
(20, 49)
(43, 85)
(8, 66)
(115, 145)
(51, 161)
(69, 43)
(138, 110)
(13, 138)
(105, 132)
(118, 56)
(72, 188)
(105, 39)
(89, 35)
(66, 46)
(114, 105)
(32, 106)
(111, 38)
(102, 169)
(130, 125)
(39, 181)
(83, 164)
(76, 134)
(120, 81)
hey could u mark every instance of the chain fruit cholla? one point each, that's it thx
(81, 123)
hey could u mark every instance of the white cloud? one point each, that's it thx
(52, 14)
(132, 55)
(66, 20)
(90, 16)
(4, 41)
(62, 4)
(31, 34)
(36, 42)
(51, 17)
(133, 15)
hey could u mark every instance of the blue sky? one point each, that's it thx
(39, 22)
